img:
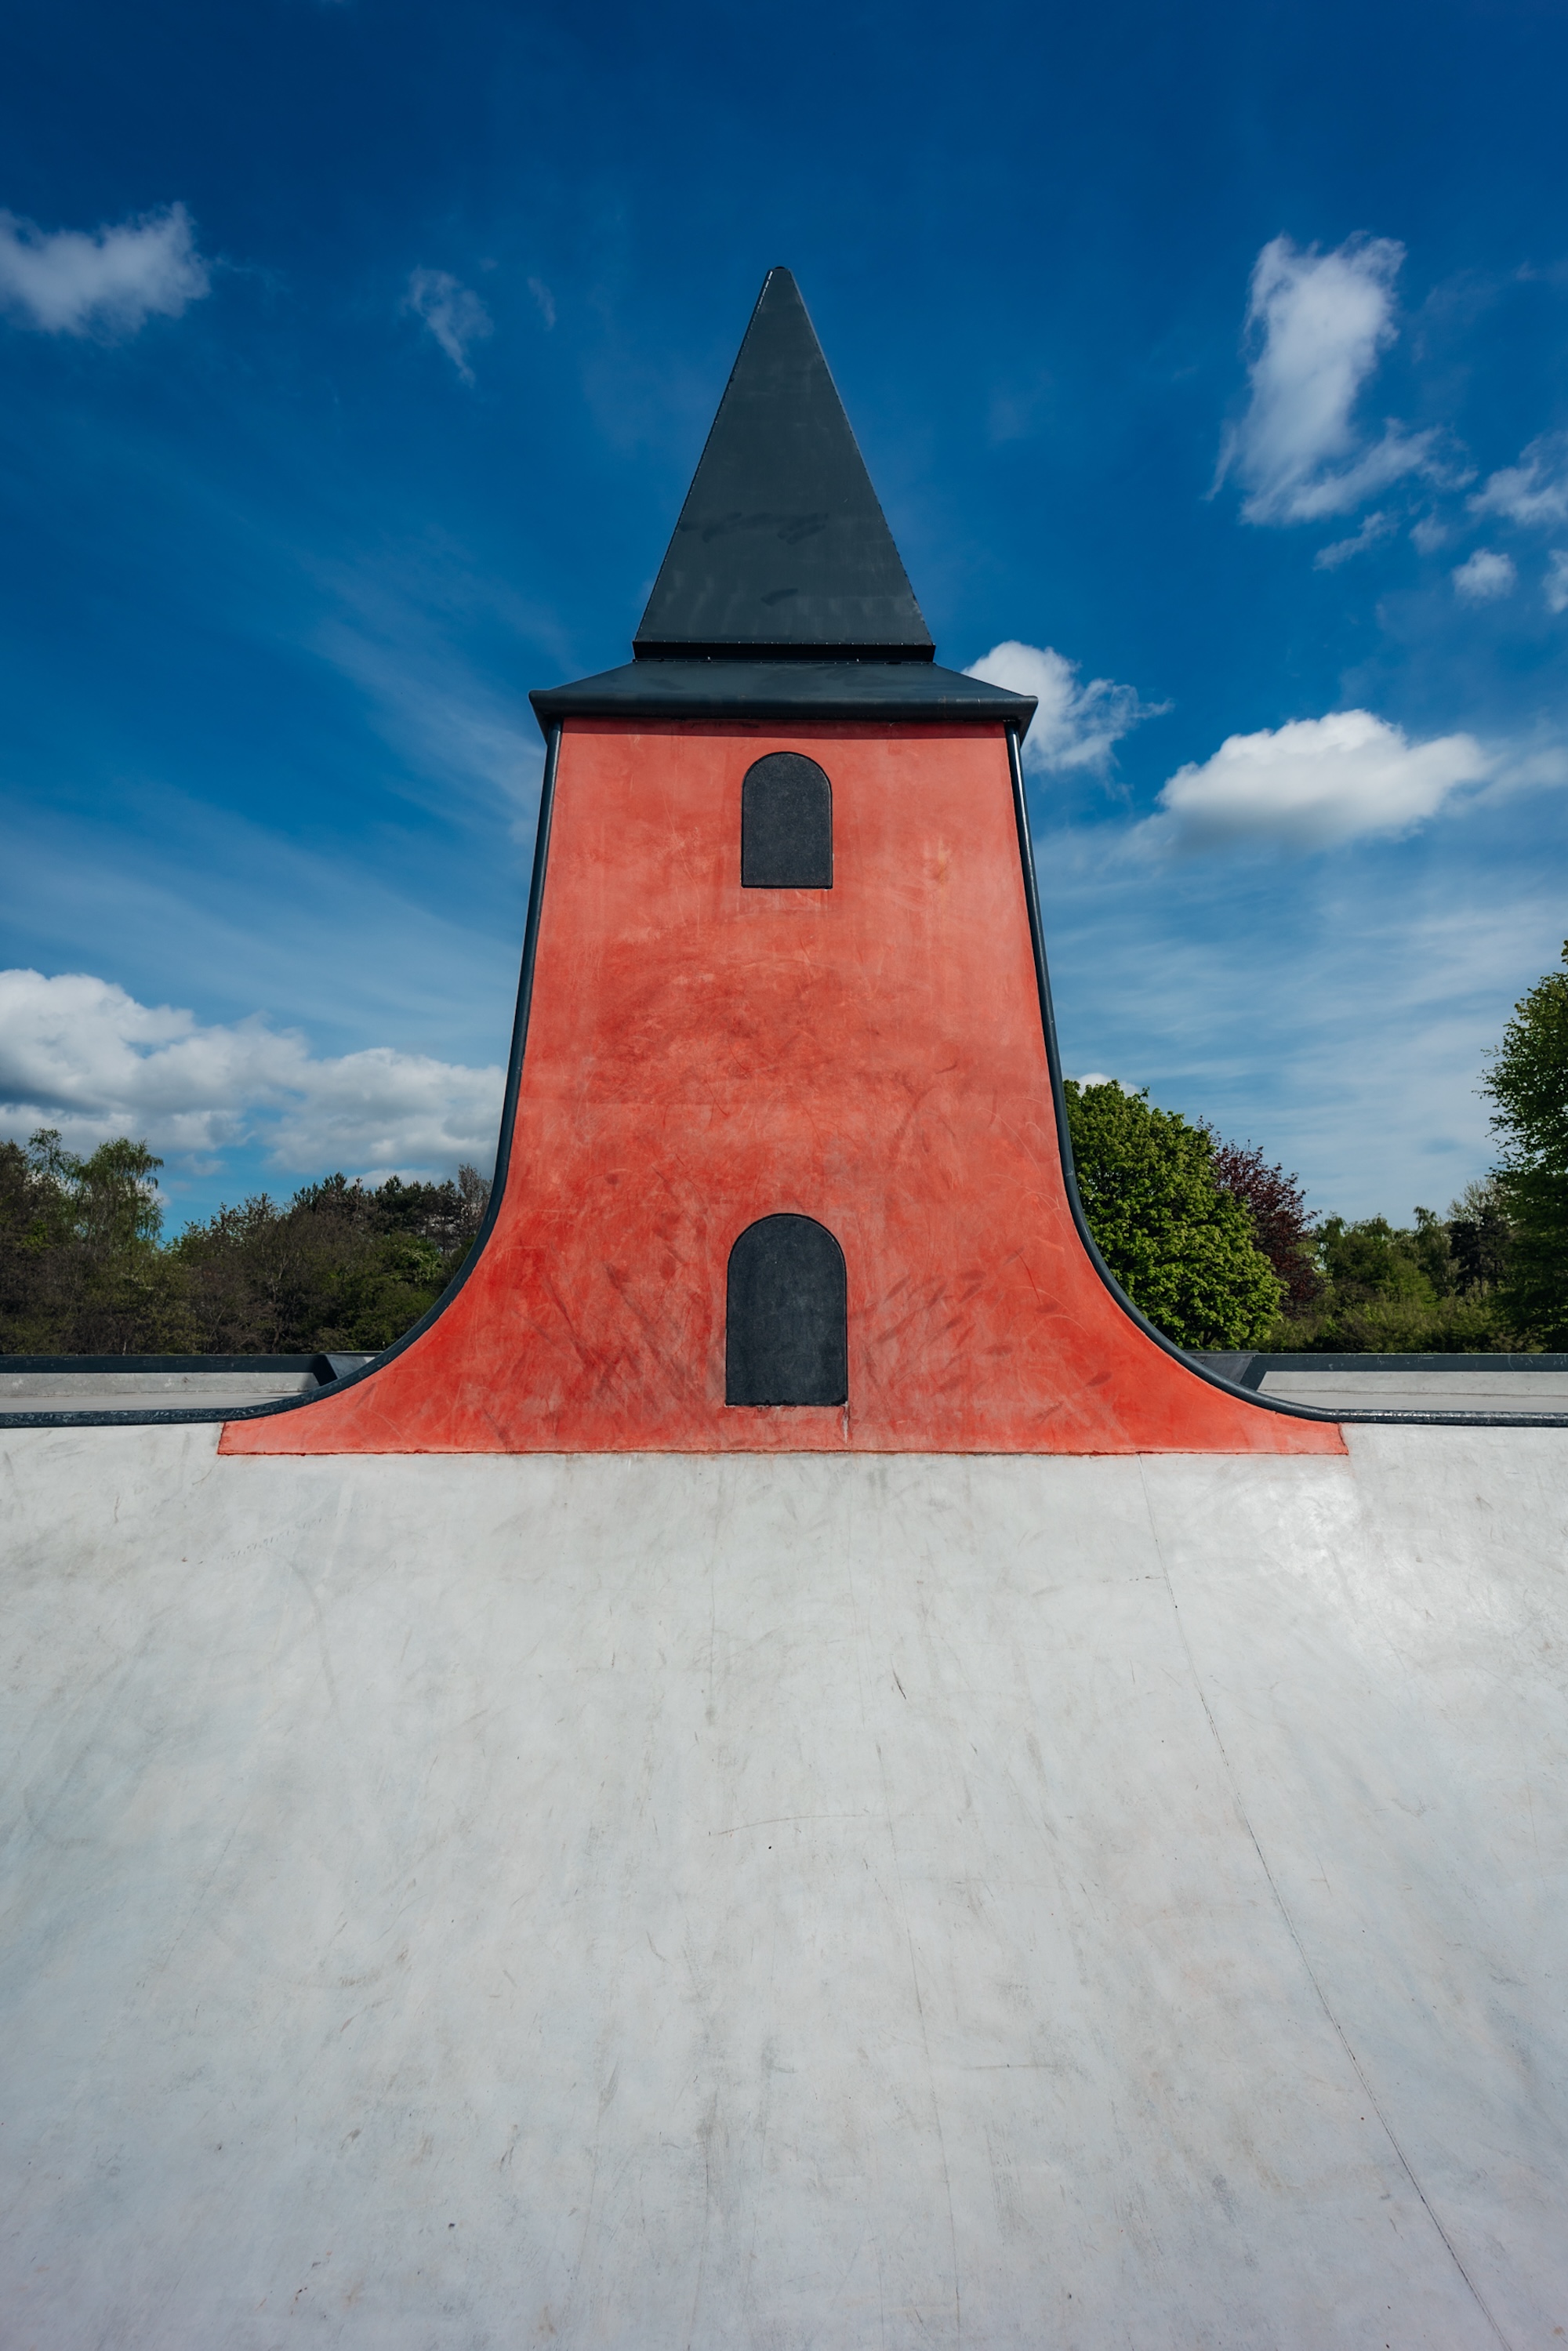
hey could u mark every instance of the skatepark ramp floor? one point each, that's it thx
(662, 1901)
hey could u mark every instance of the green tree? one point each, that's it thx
(1181, 1247)
(1481, 1238)
(1528, 1082)
(343, 1266)
(33, 1228)
(1277, 1205)
(81, 1271)
(1430, 1288)
(1391, 1290)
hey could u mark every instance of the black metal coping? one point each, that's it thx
(174, 1363)
(888, 691)
(1238, 1370)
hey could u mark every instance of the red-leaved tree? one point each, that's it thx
(1279, 1221)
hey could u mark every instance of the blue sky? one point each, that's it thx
(355, 360)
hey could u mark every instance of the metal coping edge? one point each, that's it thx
(93, 1366)
(1352, 1416)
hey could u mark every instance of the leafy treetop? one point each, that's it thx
(1528, 1082)
(1182, 1248)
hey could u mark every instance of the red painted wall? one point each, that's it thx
(701, 1055)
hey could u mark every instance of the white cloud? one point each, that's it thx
(1076, 726)
(1533, 491)
(545, 299)
(1528, 765)
(1556, 591)
(1311, 783)
(110, 282)
(1321, 322)
(1376, 527)
(81, 1054)
(1485, 576)
(452, 312)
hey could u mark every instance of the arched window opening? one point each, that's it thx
(787, 1315)
(786, 825)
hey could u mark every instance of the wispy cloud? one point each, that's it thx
(1485, 576)
(1556, 589)
(78, 1053)
(1076, 726)
(443, 721)
(1311, 783)
(1376, 527)
(1535, 491)
(1319, 324)
(109, 282)
(398, 632)
(452, 311)
(545, 299)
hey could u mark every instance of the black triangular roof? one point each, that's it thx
(781, 550)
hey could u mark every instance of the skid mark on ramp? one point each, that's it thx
(1282, 1908)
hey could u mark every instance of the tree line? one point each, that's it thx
(341, 1267)
(1217, 1246)
(1209, 1238)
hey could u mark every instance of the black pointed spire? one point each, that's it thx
(782, 596)
(781, 550)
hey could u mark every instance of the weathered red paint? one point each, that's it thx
(701, 1055)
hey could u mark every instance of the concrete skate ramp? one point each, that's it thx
(657, 1901)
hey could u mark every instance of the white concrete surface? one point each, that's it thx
(658, 1902)
(1423, 1390)
(66, 1391)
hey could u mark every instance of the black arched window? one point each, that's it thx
(786, 1318)
(786, 825)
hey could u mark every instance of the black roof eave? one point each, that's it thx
(759, 649)
(882, 691)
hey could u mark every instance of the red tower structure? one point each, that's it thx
(783, 1161)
